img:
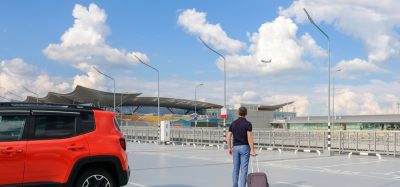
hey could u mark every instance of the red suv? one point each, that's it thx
(60, 145)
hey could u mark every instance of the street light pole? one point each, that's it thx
(223, 57)
(120, 110)
(333, 95)
(195, 102)
(398, 108)
(158, 92)
(121, 105)
(329, 78)
(109, 78)
(37, 95)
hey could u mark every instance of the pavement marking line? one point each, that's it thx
(136, 184)
(293, 184)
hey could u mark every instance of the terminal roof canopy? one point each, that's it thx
(171, 103)
(274, 107)
(84, 95)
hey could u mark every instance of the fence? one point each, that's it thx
(383, 142)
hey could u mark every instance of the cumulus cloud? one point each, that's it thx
(310, 46)
(354, 69)
(276, 40)
(91, 79)
(371, 98)
(16, 74)
(196, 23)
(246, 97)
(85, 42)
(355, 18)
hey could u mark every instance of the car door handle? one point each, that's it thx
(75, 147)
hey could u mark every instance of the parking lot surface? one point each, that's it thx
(188, 166)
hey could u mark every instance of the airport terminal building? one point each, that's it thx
(136, 110)
(142, 111)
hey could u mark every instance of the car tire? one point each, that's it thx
(96, 177)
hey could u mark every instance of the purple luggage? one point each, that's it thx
(257, 179)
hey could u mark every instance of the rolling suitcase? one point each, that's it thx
(257, 179)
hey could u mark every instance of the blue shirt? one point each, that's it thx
(239, 129)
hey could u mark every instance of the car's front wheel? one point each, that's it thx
(96, 178)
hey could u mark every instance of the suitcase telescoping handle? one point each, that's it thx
(251, 163)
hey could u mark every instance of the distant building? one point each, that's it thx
(260, 116)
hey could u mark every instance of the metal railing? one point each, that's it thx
(383, 142)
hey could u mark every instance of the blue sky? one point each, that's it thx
(53, 45)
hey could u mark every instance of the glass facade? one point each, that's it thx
(284, 115)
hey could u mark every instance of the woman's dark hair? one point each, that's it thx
(242, 111)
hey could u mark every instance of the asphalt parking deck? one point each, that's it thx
(176, 166)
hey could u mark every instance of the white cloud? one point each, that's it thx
(196, 23)
(91, 79)
(372, 98)
(16, 74)
(356, 18)
(310, 46)
(350, 102)
(250, 97)
(276, 40)
(354, 69)
(85, 42)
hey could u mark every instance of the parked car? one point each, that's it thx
(61, 145)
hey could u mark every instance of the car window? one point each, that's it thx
(53, 127)
(11, 127)
(116, 123)
(87, 123)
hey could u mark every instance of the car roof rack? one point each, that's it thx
(50, 105)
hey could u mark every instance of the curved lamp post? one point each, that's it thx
(158, 92)
(195, 103)
(109, 78)
(223, 57)
(333, 94)
(329, 77)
